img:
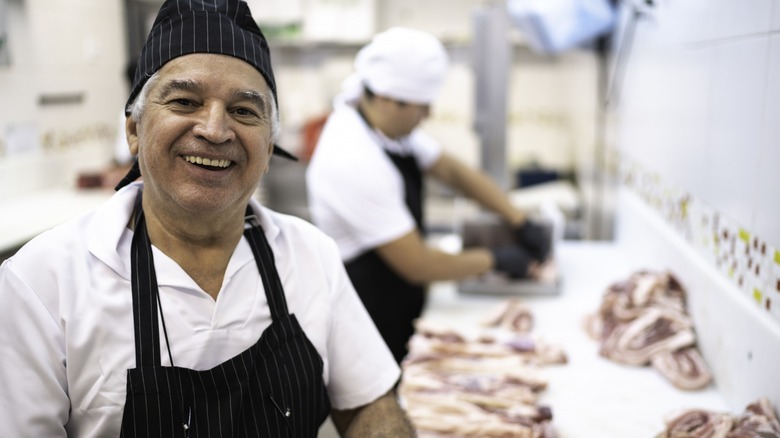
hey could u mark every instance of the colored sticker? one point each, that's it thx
(744, 236)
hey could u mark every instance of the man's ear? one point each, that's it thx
(131, 130)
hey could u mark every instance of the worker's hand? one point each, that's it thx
(512, 260)
(535, 238)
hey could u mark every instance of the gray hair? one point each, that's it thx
(137, 107)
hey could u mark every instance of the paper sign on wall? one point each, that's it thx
(21, 138)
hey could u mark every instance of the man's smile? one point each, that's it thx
(208, 163)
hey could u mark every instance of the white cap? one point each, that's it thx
(403, 64)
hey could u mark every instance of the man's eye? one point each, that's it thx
(182, 102)
(245, 112)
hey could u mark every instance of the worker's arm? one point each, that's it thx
(381, 418)
(475, 185)
(481, 188)
(416, 262)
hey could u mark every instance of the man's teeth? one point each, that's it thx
(208, 161)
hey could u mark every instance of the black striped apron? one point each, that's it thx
(273, 389)
(392, 302)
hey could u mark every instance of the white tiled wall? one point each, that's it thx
(767, 211)
(699, 112)
(674, 23)
(734, 18)
(737, 108)
(776, 15)
(697, 128)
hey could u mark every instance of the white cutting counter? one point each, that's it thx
(591, 397)
(25, 216)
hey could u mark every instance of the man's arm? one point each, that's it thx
(381, 418)
(416, 262)
(481, 188)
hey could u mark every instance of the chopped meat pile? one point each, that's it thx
(757, 421)
(484, 383)
(643, 320)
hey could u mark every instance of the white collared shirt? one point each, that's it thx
(66, 321)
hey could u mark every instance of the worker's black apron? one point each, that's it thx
(392, 302)
(273, 389)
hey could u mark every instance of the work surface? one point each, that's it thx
(24, 217)
(591, 397)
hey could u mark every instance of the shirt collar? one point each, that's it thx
(110, 242)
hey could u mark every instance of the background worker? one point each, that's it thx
(365, 186)
(182, 307)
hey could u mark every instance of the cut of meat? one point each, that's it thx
(697, 423)
(644, 319)
(512, 315)
(685, 368)
(655, 331)
(757, 421)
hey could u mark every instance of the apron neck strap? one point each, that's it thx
(144, 284)
(264, 258)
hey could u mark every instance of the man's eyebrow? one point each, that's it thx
(258, 99)
(178, 85)
(261, 101)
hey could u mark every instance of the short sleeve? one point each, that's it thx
(357, 197)
(425, 148)
(34, 399)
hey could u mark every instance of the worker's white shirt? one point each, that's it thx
(356, 194)
(66, 320)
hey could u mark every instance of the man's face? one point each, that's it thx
(204, 139)
(402, 117)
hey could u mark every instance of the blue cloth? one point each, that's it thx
(554, 26)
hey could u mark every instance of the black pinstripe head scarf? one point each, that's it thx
(224, 27)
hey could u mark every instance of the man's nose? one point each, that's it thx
(214, 125)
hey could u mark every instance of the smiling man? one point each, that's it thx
(182, 307)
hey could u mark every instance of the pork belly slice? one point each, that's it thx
(513, 369)
(429, 329)
(626, 300)
(655, 331)
(446, 415)
(420, 380)
(698, 423)
(758, 421)
(684, 368)
(512, 315)
(433, 342)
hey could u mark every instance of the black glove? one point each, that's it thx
(535, 238)
(512, 260)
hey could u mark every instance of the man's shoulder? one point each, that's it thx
(70, 242)
(289, 226)
(52, 247)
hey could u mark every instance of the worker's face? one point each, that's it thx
(402, 117)
(205, 108)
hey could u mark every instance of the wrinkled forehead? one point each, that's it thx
(198, 72)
